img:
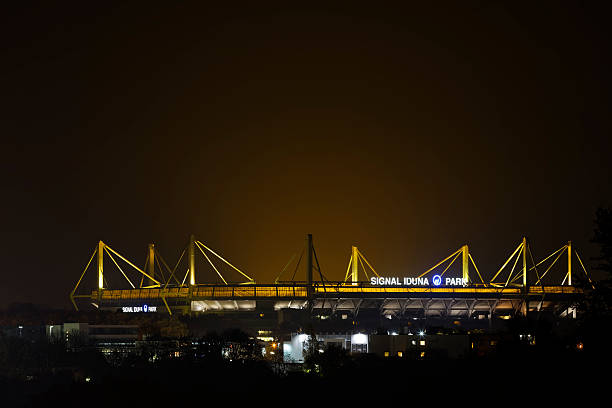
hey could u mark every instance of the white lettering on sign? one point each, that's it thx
(406, 281)
(139, 309)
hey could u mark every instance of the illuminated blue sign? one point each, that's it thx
(436, 280)
(139, 309)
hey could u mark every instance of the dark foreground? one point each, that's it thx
(526, 377)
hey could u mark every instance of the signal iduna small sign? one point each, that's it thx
(139, 309)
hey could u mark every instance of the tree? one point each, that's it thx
(312, 355)
(598, 302)
(603, 237)
(596, 306)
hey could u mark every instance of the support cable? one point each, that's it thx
(185, 278)
(224, 260)
(366, 261)
(144, 268)
(158, 255)
(550, 266)
(81, 278)
(476, 268)
(174, 270)
(450, 264)
(298, 263)
(363, 267)
(544, 260)
(132, 265)
(439, 263)
(348, 268)
(285, 268)
(536, 269)
(211, 264)
(518, 256)
(161, 270)
(584, 269)
(121, 270)
(539, 279)
(506, 263)
(319, 268)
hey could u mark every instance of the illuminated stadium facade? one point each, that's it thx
(518, 288)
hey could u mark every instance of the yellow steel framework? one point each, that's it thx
(191, 248)
(520, 274)
(355, 260)
(159, 281)
(148, 273)
(99, 252)
(466, 259)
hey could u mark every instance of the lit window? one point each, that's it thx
(386, 354)
(422, 354)
(400, 354)
(422, 343)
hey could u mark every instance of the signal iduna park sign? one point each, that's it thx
(139, 309)
(436, 280)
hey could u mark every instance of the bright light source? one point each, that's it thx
(421, 333)
(302, 337)
(394, 333)
(359, 338)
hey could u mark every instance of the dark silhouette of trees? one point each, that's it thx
(598, 300)
(603, 238)
(595, 318)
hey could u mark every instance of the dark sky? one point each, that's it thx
(406, 131)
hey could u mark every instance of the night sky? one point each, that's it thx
(406, 131)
